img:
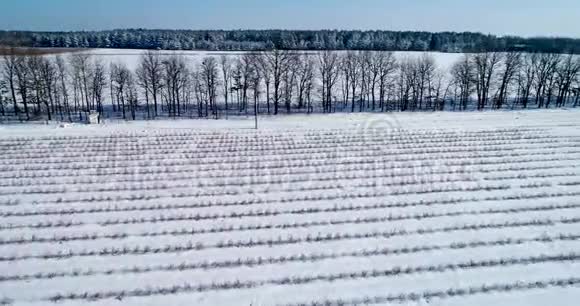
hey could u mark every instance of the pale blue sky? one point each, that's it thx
(520, 17)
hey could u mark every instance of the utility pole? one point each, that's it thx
(256, 114)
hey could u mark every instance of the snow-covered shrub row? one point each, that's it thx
(251, 177)
(445, 294)
(364, 158)
(40, 225)
(262, 149)
(259, 201)
(238, 138)
(524, 177)
(233, 156)
(452, 201)
(401, 217)
(309, 257)
(501, 176)
(536, 185)
(191, 134)
(288, 225)
(288, 174)
(285, 197)
(191, 152)
(270, 185)
(119, 149)
(106, 198)
(297, 280)
(396, 204)
(237, 157)
(60, 239)
(245, 203)
(225, 178)
(160, 134)
(289, 239)
(388, 146)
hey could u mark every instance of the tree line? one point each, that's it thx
(259, 40)
(68, 87)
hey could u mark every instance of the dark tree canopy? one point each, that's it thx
(243, 40)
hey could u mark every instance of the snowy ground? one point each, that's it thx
(417, 209)
(130, 57)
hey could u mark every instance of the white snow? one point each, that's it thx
(130, 57)
(308, 210)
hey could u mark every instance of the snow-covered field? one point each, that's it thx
(417, 209)
(130, 57)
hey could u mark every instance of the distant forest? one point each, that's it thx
(245, 40)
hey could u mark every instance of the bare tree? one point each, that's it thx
(237, 82)
(329, 72)
(255, 79)
(406, 80)
(289, 77)
(364, 62)
(345, 79)
(266, 74)
(277, 62)
(425, 70)
(81, 70)
(209, 74)
(120, 80)
(545, 68)
(33, 64)
(131, 93)
(387, 65)
(439, 90)
(226, 69)
(175, 76)
(353, 73)
(462, 76)
(375, 65)
(512, 62)
(199, 90)
(3, 92)
(62, 75)
(113, 67)
(305, 81)
(98, 83)
(485, 66)
(245, 67)
(22, 77)
(48, 84)
(10, 66)
(566, 73)
(143, 82)
(526, 78)
(151, 76)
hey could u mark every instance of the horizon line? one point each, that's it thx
(293, 30)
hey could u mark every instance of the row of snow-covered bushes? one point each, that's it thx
(258, 261)
(365, 274)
